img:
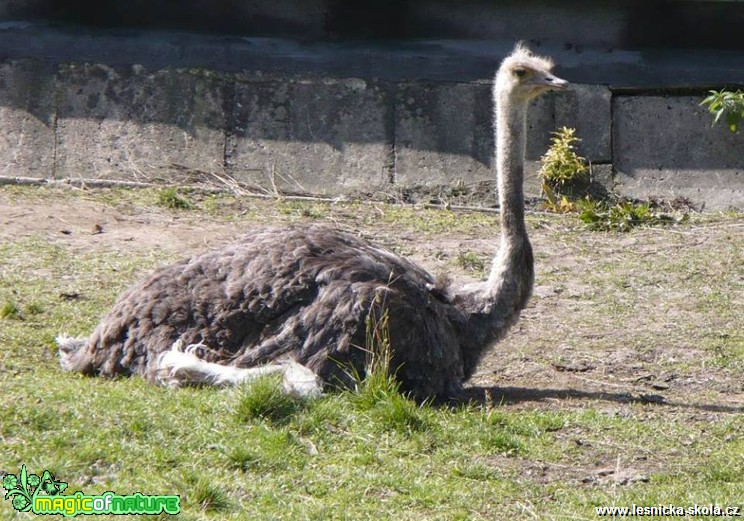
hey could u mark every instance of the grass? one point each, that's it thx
(471, 261)
(249, 453)
(171, 199)
(10, 310)
(622, 215)
(264, 400)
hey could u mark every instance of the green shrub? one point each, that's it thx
(563, 171)
(726, 103)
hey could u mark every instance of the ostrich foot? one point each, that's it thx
(178, 367)
(301, 382)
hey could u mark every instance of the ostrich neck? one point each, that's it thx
(494, 305)
(511, 130)
(510, 281)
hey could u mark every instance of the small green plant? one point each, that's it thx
(621, 216)
(34, 308)
(726, 103)
(563, 171)
(470, 261)
(10, 310)
(170, 198)
(379, 380)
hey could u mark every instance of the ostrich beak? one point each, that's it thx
(554, 82)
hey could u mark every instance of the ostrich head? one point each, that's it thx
(525, 76)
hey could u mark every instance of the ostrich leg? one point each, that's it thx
(178, 367)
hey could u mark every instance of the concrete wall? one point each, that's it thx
(333, 136)
(289, 95)
(665, 146)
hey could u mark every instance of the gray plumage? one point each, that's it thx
(304, 293)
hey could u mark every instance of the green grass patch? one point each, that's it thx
(264, 399)
(309, 210)
(205, 493)
(171, 199)
(10, 310)
(471, 261)
(372, 453)
(622, 215)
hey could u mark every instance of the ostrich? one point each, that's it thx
(296, 300)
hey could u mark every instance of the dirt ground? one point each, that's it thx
(652, 316)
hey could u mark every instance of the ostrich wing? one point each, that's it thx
(302, 292)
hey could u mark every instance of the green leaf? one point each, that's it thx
(728, 103)
(718, 114)
(24, 478)
(21, 500)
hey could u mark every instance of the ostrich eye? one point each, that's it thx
(520, 73)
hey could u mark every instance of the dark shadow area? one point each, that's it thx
(574, 24)
(517, 395)
(256, 18)
(367, 19)
(686, 25)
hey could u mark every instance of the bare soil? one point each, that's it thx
(653, 317)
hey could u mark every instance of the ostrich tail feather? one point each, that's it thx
(72, 356)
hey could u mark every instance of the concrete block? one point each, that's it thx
(588, 109)
(664, 146)
(603, 175)
(127, 123)
(27, 117)
(322, 136)
(443, 134)
(540, 126)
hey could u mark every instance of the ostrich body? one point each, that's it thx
(297, 300)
